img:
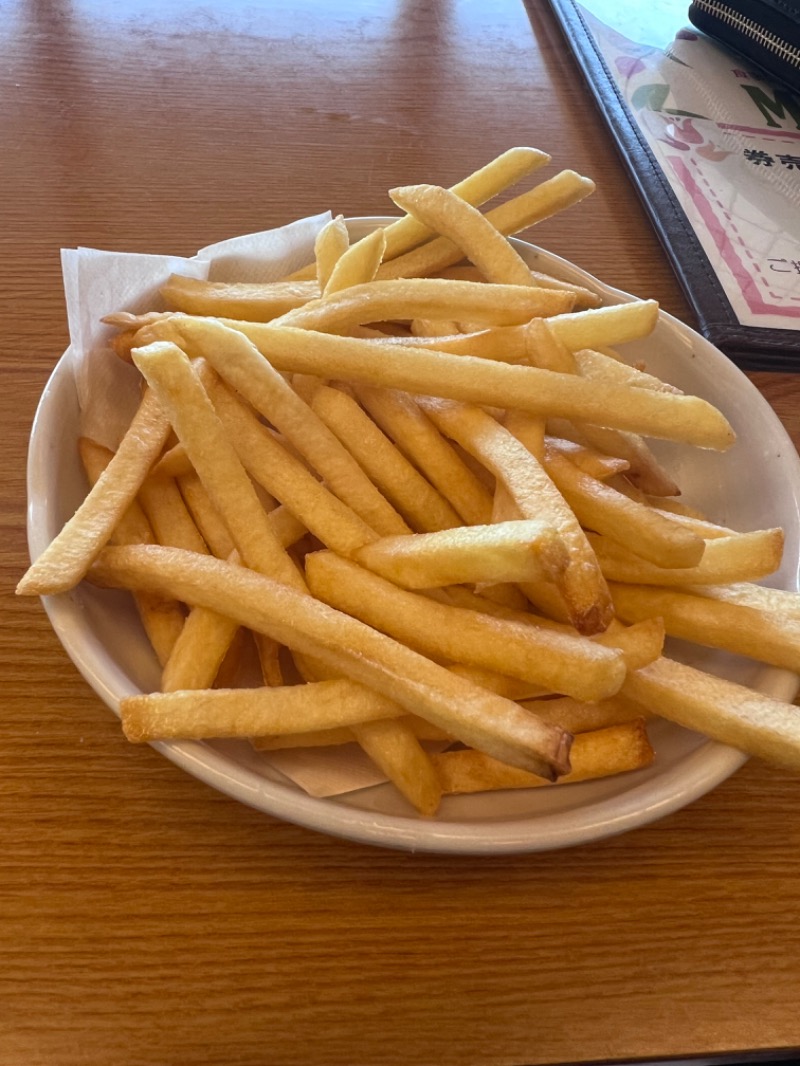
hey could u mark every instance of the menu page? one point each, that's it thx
(723, 148)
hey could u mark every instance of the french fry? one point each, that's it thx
(506, 551)
(725, 711)
(614, 324)
(553, 659)
(644, 471)
(740, 557)
(688, 419)
(737, 628)
(605, 752)
(66, 560)
(199, 651)
(390, 742)
(319, 738)
(595, 365)
(331, 243)
(449, 216)
(507, 169)
(640, 643)
(254, 302)
(173, 525)
(285, 526)
(468, 272)
(252, 712)
(357, 265)
(162, 617)
(577, 716)
(781, 602)
(587, 459)
(498, 305)
(470, 714)
(395, 749)
(205, 515)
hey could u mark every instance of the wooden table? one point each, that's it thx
(145, 919)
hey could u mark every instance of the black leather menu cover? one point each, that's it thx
(762, 277)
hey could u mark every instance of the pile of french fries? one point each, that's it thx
(411, 484)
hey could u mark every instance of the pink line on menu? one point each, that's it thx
(744, 279)
(762, 131)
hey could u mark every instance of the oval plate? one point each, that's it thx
(754, 485)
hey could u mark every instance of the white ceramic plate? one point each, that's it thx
(754, 485)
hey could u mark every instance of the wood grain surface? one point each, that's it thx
(146, 920)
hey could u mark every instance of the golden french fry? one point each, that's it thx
(162, 618)
(600, 367)
(740, 557)
(506, 551)
(500, 173)
(640, 643)
(577, 716)
(357, 265)
(510, 688)
(734, 627)
(285, 526)
(616, 749)
(587, 459)
(423, 506)
(449, 216)
(395, 749)
(255, 302)
(66, 560)
(543, 656)
(470, 714)
(725, 711)
(506, 344)
(168, 371)
(331, 243)
(467, 272)
(688, 419)
(252, 712)
(528, 429)
(405, 298)
(199, 651)
(614, 324)
(781, 602)
(390, 741)
(206, 517)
